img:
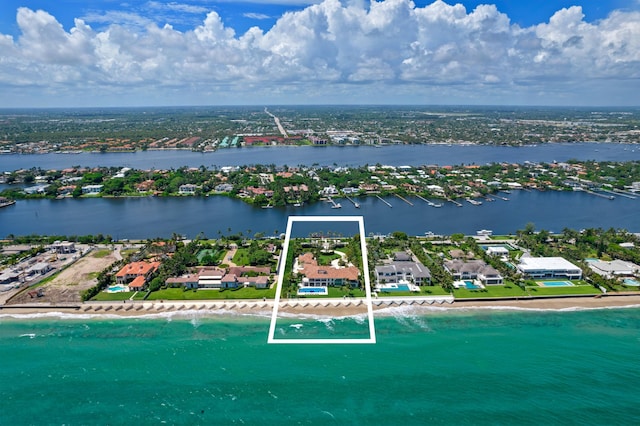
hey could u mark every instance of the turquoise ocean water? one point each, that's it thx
(446, 367)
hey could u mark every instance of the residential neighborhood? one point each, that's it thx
(531, 264)
(269, 186)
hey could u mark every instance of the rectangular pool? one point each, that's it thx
(555, 283)
(469, 285)
(322, 291)
(631, 282)
(397, 287)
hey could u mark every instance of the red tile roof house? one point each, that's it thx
(137, 284)
(321, 276)
(136, 274)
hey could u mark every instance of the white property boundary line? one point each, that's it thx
(367, 286)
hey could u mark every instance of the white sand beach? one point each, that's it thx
(315, 307)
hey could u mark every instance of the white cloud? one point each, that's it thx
(253, 15)
(350, 51)
(177, 7)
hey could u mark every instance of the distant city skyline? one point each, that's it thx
(72, 53)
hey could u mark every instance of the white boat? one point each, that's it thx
(356, 205)
(336, 206)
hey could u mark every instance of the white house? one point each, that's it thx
(497, 251)
(187, 189)
(403, 268)
(549, 267)
(92, 189)
(473, 269)
(614, 268)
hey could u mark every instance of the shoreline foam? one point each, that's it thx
(335, 308)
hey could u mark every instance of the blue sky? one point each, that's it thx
(242, 15)
(115, 52)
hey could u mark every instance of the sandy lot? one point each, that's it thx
(67, 286)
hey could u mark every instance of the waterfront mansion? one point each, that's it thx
(474, 269)
(402, 268)
(315, 275)
(548, 267)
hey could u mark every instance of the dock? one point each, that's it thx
(431, 203)
(608, 197)
(620, 193)
(404, 199)
(498, 196)
(383, 200)
(334, 205)
(454, 202)
(472, 201)
(355, 204)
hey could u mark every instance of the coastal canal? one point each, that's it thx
(349, 156)
(151, 217)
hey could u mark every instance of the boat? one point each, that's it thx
(268, 206)
(336, 206)
(356, 205)
(474, 202)
(437, 205)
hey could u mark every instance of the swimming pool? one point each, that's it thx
(555, 283)
(116, 289)
(395, 287)
(631, 281)
(318, 291)
(469, 285)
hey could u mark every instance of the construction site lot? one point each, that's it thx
(64, 285)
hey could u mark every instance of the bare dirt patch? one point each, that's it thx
(67, 286)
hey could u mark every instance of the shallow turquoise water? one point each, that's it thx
(482, 367)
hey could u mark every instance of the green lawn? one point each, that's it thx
(103, 296)
(129, 252)
(325, 259)
(622, 287)
(101, 253)
(215, 254)
(432, 290)
(559, 291)
(140, 295)
(241, 258)
(490, 291)
(334, 292)
(340, 292)
(243, 293)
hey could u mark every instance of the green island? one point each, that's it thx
(273, 186)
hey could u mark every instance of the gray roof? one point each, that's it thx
(401, 256)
